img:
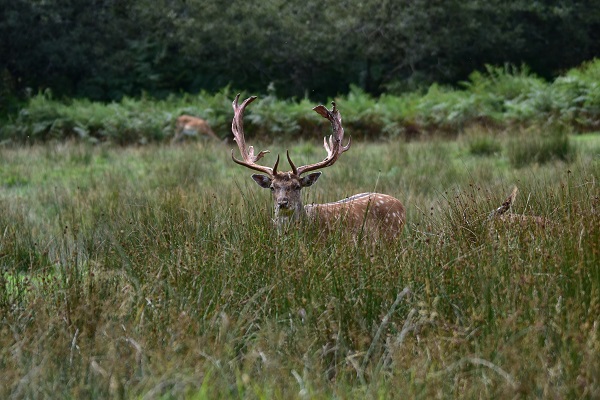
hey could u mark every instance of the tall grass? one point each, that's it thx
(155, 272)
(535, 146)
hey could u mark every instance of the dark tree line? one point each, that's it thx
(104, 49)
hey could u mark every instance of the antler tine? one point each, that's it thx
(334, 147)
(294, 169)
(237, 128)
(507, 203)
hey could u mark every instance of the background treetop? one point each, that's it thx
(105, 49)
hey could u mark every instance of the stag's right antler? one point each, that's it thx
(334, 148)
(237, 127)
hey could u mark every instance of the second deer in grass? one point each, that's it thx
(373, 214)
(502, 214)
(187, 126)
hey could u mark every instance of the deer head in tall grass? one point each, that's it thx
(372, 213)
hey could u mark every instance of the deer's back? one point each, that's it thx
(371, 213)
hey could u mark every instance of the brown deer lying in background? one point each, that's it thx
(375, 214)
(187, 126)
(502, 213)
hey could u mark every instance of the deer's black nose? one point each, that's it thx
(283, 203)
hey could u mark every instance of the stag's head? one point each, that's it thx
(286, 186)
(286, 189)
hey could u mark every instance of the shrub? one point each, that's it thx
(576, 95)
(483, 145)
(539, 145)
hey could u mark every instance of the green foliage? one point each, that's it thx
(129, 121)
(577, 95)
(275, 119)
(499, 98)
(503, 83)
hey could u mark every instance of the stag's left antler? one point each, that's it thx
(334, 148)
(237, 127)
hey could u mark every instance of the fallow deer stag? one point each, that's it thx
(187, 126)
(373, 214)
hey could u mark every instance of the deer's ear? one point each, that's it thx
(310, 179)
(262, 180)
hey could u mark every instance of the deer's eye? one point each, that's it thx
(272, 188)
(297, 187)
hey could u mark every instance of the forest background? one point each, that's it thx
(107, 49)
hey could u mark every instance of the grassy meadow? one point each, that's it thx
(154, 272)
